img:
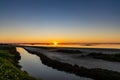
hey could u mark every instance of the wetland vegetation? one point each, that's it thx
(9, 68)
(108, 57)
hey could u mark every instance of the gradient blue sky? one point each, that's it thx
(60, 20)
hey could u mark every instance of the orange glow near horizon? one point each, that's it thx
(18, 40)
(55, 43)
(23, 38)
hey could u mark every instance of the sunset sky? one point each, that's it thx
(60, 21)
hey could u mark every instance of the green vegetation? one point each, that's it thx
(9, 68)
(108, 57)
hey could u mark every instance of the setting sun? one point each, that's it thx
(55, 43)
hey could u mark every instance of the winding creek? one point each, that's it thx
(33, 65)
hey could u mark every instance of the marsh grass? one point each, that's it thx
(108, 57)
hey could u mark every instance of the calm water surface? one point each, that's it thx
(33, 65)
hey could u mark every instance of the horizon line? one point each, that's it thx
(60, 42)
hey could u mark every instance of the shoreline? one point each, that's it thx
(55, 47)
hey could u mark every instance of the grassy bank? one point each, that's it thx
(9, 68)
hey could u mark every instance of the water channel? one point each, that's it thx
(33, 65)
